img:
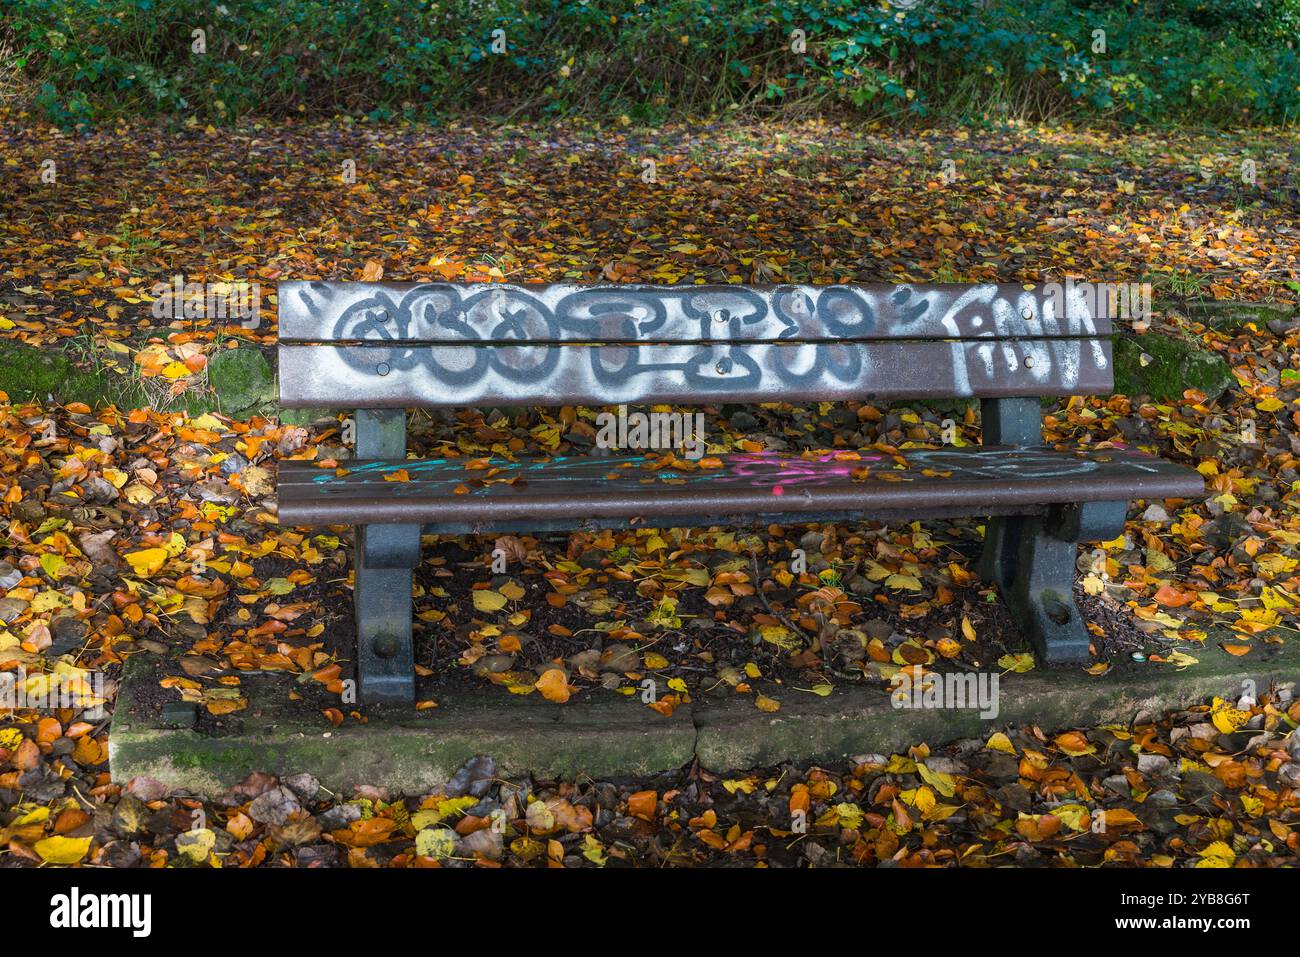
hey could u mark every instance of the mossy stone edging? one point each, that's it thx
(734, 734)
(410, 752)
(31, 374)
(610, 737)
(1164, 366)
(241, 378)
(1229, 314)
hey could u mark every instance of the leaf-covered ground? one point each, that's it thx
(154, 532)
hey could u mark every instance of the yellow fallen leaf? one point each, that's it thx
(196, 845)
(1227, 718)
(906, 582)
(1018, 663)
(945, 784)
(488, 600)
(764, 703)
(436, 842)
(62, 850)
(147, 561)
(1219, 852)
(1000, 742)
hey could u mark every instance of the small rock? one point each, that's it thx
(1117, 783)
(304, 785)
(1155, 513)
(1153, 764)
(9, 576)
(275, 807)
(1162, 798)
(370, 792)
(742, 421)
(339, 816)
(233, 464)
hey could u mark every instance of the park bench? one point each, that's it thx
(383, 348)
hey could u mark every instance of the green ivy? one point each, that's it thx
(1227, 62)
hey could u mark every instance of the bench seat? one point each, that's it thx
(490, 494)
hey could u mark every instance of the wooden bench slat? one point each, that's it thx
(498, 312)
(410, 376)
(972, 481)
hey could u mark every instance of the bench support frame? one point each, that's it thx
(1033, 558)
(383, 560)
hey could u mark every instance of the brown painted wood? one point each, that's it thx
(446, 375)
(539, 313)
(972, 481)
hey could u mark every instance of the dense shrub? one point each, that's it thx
(1218, 61)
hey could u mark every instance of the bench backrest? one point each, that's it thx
(404, 345)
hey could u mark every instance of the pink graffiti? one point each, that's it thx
(778, 470)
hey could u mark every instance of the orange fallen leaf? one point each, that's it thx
(642, 804)
(554, 685)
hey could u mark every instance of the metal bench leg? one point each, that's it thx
(1040, 587)
(1001, 555)
(1008, 421)
(382, 562)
